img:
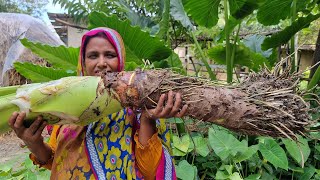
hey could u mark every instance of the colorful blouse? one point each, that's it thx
(109, 149)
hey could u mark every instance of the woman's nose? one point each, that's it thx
(102, 63)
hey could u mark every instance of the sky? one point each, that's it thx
(52, 9)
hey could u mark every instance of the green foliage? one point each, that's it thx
(203, 12)
(243, 56)
(41, 74)
(186, 171)
(224, 144)
(247, 8)
(181, 146)
(61, 57)
(201, 146)
(254, 43)
(26, 170)
(299, 150)
(34, 8)
(133, 16)
(285, 35)
(272, 152)
(271, 12)
(141, 43)
(164, 23)
(178, 13)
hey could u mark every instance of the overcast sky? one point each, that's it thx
(52, 9)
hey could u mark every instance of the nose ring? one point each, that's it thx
(105, 64)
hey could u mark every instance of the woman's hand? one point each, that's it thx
(172, 107)
(168, 106)
(30, 136)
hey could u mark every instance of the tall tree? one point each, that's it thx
(31, 7)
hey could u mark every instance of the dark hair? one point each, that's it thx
(86, 41)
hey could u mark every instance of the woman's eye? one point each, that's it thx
(92, 56)
(110, 55)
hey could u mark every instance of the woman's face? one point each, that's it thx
(100, 55)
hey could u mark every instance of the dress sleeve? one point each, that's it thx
(52, 144)
(148, 156)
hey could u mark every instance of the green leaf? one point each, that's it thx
(222, 175)
(164, 23)
(272, 11)
(141, 43)
(224, 144)
(201, 146)
(174, 62)
(181, 144)
(235, 5)
(38, 73)
(133, 16)
(295, 149)
(272, 152)
(131, 57)
(243, 56)
(232, 23)
(235, 176)
(247, 154)
(130, 66)
(228, 168)
(254, 43)
(59, 57)
(285, 35)
(317, 148)
(178, 14)
(308, 173)
(247, 8)
(203, 12)
(6, 168)
(253, 177)
(185, 171)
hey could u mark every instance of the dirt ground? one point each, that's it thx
(10, 148)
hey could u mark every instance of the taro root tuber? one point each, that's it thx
(264, 104)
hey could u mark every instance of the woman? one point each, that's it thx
(120, 146)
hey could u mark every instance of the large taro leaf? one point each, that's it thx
(131, 57)
(179, 14)
(243, 56)
(141, 43)
(175, 62)
(272, 152)
(164, 23)
(247, 8)
(133, 16)
(298, 150)
(285, 35)
(224, 144)
(38, 73)
(235, 5)
(203, 12)
(272, 11)
(59, 57)
(254, 43)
